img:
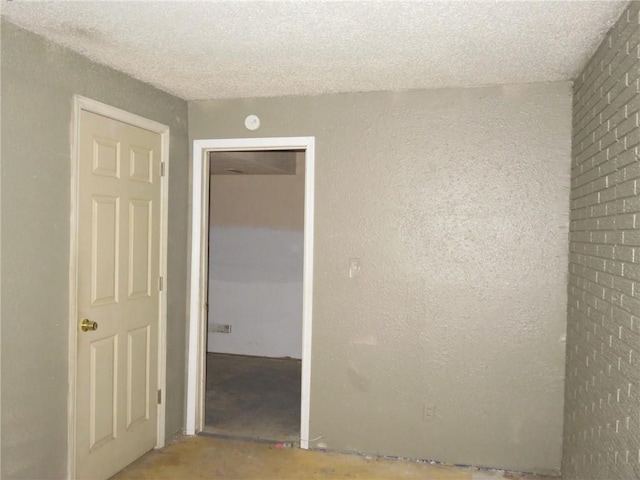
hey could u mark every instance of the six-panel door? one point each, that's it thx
(118, 271)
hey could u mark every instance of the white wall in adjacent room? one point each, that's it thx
(255, 264)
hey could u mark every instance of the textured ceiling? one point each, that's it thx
(202, 50)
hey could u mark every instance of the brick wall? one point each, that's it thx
(602, 398)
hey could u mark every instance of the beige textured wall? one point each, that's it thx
(456, 202)
(602, 425)
(39, 80)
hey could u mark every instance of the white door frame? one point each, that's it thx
(79, 104)
(198, 274)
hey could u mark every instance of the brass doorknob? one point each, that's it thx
(87, 325)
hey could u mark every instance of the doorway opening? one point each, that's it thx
(254, 317)
(254, 341)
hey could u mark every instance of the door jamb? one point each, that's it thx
(198, 270)
(81, 103)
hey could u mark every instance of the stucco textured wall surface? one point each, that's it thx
(602, 425)
(450, 344)
(39, 80)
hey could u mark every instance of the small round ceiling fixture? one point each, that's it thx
(252, 122)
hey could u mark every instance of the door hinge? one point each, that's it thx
(160, 283)
(162, 169)
(159, 397)
(206, 307)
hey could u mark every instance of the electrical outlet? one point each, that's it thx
(220, 328)
(428, 412)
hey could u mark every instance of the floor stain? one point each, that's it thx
(200, 457)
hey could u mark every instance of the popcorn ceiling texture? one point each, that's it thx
(202, 50)
(602, 400)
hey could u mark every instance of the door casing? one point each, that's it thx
(198, 286)
(81, 103)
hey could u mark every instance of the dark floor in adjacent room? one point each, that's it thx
(253, 397)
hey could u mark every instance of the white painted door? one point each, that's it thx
(118, 288)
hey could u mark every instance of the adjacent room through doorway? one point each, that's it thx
(254, 324)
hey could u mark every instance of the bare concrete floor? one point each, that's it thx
(253, 397)
(214, 458)
(260, 398)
